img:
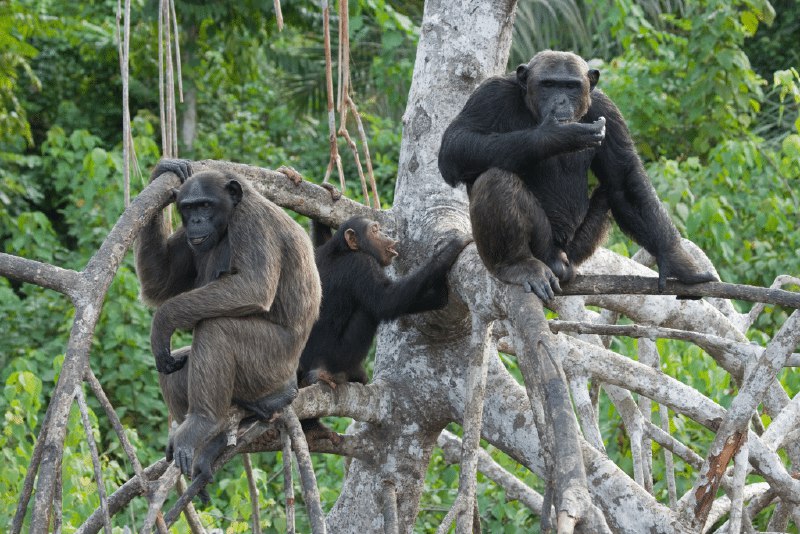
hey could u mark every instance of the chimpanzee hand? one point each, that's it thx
(181, 167)
(160, 336)
(573, 136)
(452, 250)
(677, 263)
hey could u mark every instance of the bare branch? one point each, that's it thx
(288, 484)
(251, 485)
(514, 488)
(472, 422)
(648, 285)
(122, 497)
(98, 472)
(44, 275)
(390, 508)
(307, 477)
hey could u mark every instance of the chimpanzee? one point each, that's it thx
(523, 144)
(357, 296)
(240, 274)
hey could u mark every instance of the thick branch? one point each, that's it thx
(304, 198)
(45, 275)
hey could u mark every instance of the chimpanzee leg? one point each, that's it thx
(175, 388)
(265, 407)
(211, 374)
(513, 234)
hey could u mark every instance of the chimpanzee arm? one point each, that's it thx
(633, 199)
(260, 253)
(495, 129)
(388, 299)
(164, 264)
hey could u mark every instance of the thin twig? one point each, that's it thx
(278, 14)
(334, 149)
(669, 463)
(116, 424)
(307, 477)
(740, 465)
(389, 498)
(177, 51)
(30, 476)
(354, 149)
(648, 285)
(190, 513)
(161, 97)
(98, 472)
(58, 512)
(251, 485)
(367, 158)
(473, 417)
(123, 44)
(288, 484)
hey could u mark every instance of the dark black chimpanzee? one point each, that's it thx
(523, 145)
(357, 296)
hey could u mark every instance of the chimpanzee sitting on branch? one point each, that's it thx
(524, 144)
(357, 296)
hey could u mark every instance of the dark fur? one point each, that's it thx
(523, 145)
(250, 299)
(357, 295)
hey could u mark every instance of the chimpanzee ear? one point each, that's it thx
(234, 189)
(522, 76)
(351, 239)
(594, 77)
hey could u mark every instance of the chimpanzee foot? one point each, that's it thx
(335, 193)
(291, 174)
(677, 263)
(267, 407)
(202, 470)
(314, 429)
(533, 275)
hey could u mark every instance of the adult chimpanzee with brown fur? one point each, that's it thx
(524, 144)
(357, 296)
(240, 274)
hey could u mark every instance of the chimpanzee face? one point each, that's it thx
(557, 85)
(206, 202)
(366, 235)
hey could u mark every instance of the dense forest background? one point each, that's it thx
(710, 90)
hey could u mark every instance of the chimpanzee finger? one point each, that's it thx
(662, 280)
(184, 461)
(554, 285)
(543, 290)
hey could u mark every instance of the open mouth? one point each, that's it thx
(563, 120)
(392, 252)
(197, 240)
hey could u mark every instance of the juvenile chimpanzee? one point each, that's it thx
(240, 274)
(524, 144)
(357, 295)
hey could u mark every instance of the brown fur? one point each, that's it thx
(249, 325)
